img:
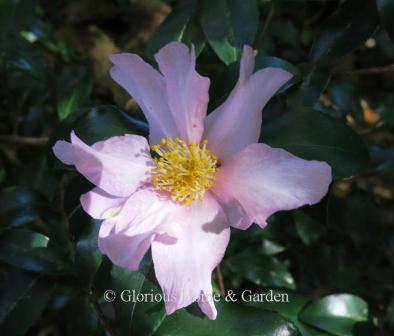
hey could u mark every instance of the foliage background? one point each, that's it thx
(334, 259)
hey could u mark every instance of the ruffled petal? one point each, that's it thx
(237, 122)
(101, 205)
(146, 214)
(184, 268)
(147, 87)
(264, 180)
(187, 91)
(118, 165)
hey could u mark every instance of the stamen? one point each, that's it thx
(184, 170)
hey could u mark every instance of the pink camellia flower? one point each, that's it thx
(208, 172)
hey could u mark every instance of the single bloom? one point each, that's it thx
(207, 172)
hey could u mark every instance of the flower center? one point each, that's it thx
(185, 170)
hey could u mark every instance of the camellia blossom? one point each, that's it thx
(207, 172)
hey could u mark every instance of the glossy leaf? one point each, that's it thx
(23, 302)
(262, 270)
(228, 25)
(20, 206)
(87, 255)
(233, 319)
(31, 251)
(337, 313)
(99, 123)
(308, 229)
(73, 89)
(314, 136)
(346, 29)
(180, 25)
(133, 316)
(270, 247)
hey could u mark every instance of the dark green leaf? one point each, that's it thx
(134, 317)
(346, 29)
(73, 89)
(307, 228)
(23, 302)
(337, 313)
(315, 80)
(233, 320)
(271, 247)
(20, 206)
(99, 123)
(347, 99)
(314, 136)
(386, 12)
(31, 251)
(228, 25)
(386, 108)
(289, 306)
(181, 25)
(262, 270)
(87, 255)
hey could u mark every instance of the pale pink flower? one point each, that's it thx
(209, 172)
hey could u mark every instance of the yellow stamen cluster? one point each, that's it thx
(185, 170)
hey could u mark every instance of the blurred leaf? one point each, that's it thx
(308, 229)
(346, 97)
(181, 25)
(14, 17)
(37, 176)
(315, 80)
(390, 313)
(23, 302)
(337, 313)
(140, 318)
(386, 12)
(30, 251)
(87, 255)
(80, 315)
(72, 90)
(99, 123)
(262, 270)
(314, 136)
(382, 158)
(232, 320)
(386, 108)
(229, 25)
(346, 29)
(20, 206)
(271, 247)
(290, 309)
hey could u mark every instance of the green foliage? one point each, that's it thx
(312, 135)
(337, 314)
(334, 260)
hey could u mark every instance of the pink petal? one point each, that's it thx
(118, 166)
(264, 180)
(123, 250)
(237, 122)
(126, 238)
(63, 151)
(184, 268)
(101, 205)
(147, 87)
(187, 91)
